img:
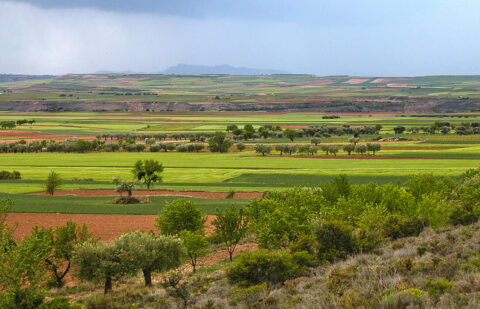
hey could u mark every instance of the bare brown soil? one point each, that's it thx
(201, 194)
(104, 227)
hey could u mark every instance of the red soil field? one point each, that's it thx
(201, 194)
(105, 227)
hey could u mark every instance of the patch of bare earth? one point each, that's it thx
(104, 227)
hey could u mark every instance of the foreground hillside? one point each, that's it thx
(282, 92)
(438, 269)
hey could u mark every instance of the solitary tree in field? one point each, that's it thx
(148, 171)
(152, 253)
(122, 186)
(53, 182)
(231, 226)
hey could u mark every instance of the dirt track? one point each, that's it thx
(201, 194)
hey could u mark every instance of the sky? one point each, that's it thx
(322, 37)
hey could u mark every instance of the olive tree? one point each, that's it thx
(148, 171)
(349, 148)
(180, 215)
(373, 147)
(100, 262)
(230, 226)
(152, 253)
(262, 148)
(361, 149)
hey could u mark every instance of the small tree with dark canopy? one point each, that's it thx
(148, 171)
(241, 146)
(219, 142)
(152, 253)
(230, 226)
(399, 129)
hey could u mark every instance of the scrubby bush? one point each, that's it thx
(259, 266)
(334, 240)
(241, 146)
(397, 226)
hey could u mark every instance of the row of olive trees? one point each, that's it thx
(312, 149)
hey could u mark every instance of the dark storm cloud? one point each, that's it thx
(324, 37)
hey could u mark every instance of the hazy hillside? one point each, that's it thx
(219, 92)
(189, 69)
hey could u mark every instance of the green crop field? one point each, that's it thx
(444, 155)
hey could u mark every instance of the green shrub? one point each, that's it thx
(334, 240)
(397, 226)
(259, 266)
(437, 287)
(463, 215)
(421, 250)
(58, 303)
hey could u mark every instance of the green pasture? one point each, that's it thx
(103, 205)
(210, 171)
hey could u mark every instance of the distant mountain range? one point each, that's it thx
(189, 69)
